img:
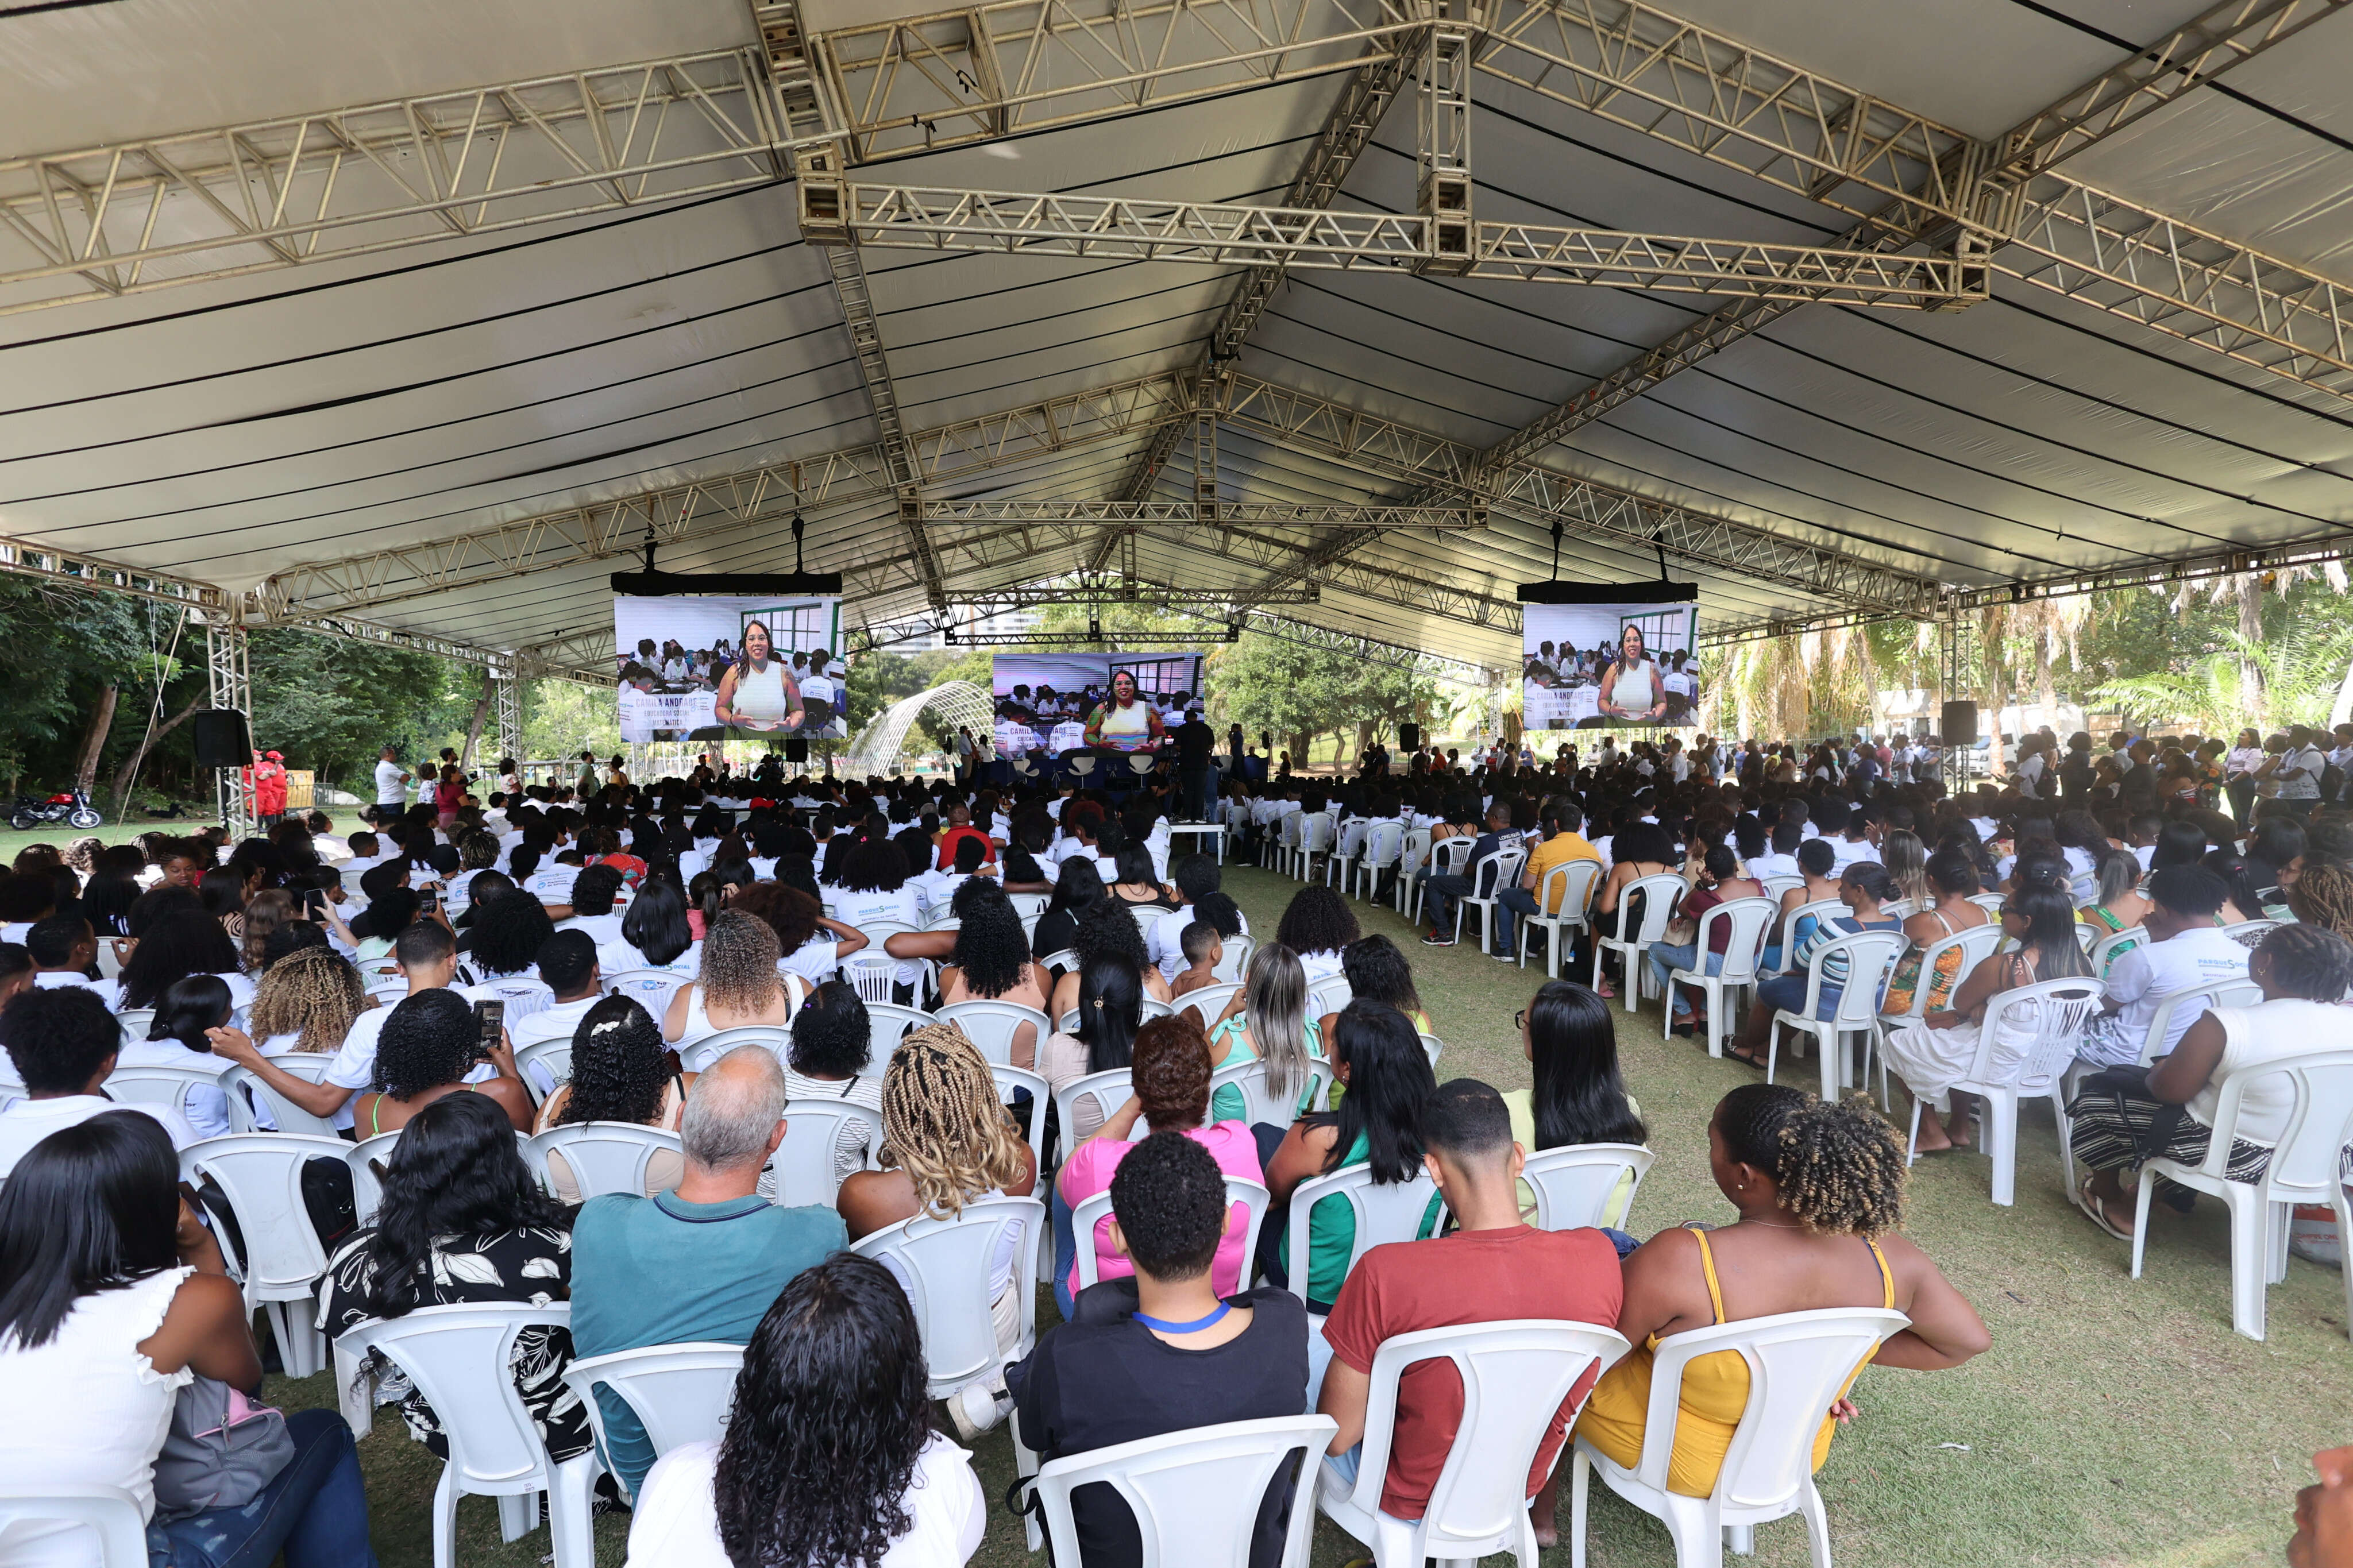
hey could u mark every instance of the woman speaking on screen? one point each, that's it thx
(1126, 722)
(1630, 688)
(758, 692)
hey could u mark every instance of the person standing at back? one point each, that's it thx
(391, 786)
(701, 1262)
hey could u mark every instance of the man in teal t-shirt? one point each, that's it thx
(705, 1261)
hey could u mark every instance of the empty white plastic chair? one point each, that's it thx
(260, 1173)
(680, 1393)
(1207, 1003)
(1447, 858)
(887, 1023)
(1251, 1195)
(871, 973)
(1489, 877)
(944, 1265)
(1744, 946)
(1196, 1494)
(458, 1359)
(1515, 1373)
(1870, 954)
(992, 1027)
(1385, 1211)
(2046, 1021)
(1797, 1364)
(806, 1164)
(2303, 1169)
(105, 1518)
(604, 1156)
(1413, 863)
(1661, 892)
(1574, 1184)
(1346, 849)
(1567, 891)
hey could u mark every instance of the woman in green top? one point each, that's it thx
(1578, 1096)
(1267, 1020)
(1377, 1054)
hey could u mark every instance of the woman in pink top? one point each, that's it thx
(1171, 1072)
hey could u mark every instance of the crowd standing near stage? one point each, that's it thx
(800, 902)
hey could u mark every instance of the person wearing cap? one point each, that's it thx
(269, 790)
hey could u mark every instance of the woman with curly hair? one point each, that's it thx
(988, 958)
(946, 1140)
(430, 1043)
(1107, 931)
(830, 1456)
(621, 1071)
(510, 929)
(1818, 1188)
(306, 1002)
(270, 909)
(738, 983)
(813, 946)
(1318, 925)
(2323, 897)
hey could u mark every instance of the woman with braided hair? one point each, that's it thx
(1820, 1190)
(737, 983)
(2323, 896)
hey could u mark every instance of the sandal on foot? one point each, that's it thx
(2098, 1212)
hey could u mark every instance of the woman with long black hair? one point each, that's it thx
(1579, 1096)
(1078, 885)
(175, 947)
(1110, 1006)
(828, 1457)
(655, 934)
(1107, 928)
(987, 958)
(187, 1012)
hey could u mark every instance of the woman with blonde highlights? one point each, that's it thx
(737, 983)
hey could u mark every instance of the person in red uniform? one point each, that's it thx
(269, 790)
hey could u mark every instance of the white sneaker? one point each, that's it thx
(975, 1409)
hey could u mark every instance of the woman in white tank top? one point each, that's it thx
(1630, 686)
(758, 693)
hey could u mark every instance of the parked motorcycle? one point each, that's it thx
(72, 808)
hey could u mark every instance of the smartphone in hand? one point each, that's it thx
(490, 1021)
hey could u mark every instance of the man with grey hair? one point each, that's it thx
(701, 1262)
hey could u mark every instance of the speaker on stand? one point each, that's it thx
(1408, 737)
(222, 740)
(1959, 733)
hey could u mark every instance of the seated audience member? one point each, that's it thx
(1719, 883)
(428, 1045)
(188, 1013)
(833, 1042)
(594, 893)
(1318, 925)
(621, 1071)
(16, 971)
(812, 945)
(737, 983)
(1171, 1075)
(947, 1139)
(655, 931)
(1446, 888)
(508, 929)
(1578, 1097)
(1377, 972)
(2119, 905)
(2186, 947)
(1203, 949)
(1108, 1376)
(1952, 878)
(987, 959)
(63, 1044)
(568, 966)
(1863, 886)
(1267, 1021)
(62, 949)
(463, 1221)
(1561, 825)
(704, 1259)
(1819, 867)
(1378, 1056)
(1820, 1190)
(1933, 1054)
(2126, 1115)
(830, 1456)
(1495, 1267)
(114, 1296)
(1109, 1004)
(1107, 930)
(176, 946)
(1198, 879)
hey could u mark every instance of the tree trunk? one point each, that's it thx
(1990, 634)
(127, 773)
(93, 738)
(474, 724)
(2248, 589)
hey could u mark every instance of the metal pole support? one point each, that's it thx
(231, 680)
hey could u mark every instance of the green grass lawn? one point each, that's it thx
(2113, 1421)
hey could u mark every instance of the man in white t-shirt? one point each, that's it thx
(63, 1042)
(567, 962)
(2185, 949)
(62, 948)
(391, 785)
(2297, 773)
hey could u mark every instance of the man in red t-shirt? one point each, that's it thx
(1494, 1269)
(960, 828)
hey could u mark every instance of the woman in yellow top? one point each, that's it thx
(1126, 722)
(1820, 1189)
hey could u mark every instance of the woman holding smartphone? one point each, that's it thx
(431, 1041)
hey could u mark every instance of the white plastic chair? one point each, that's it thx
(680, 1393)
(522, 993)
(1975, 944)
(2056, 1012)
(1663, 891)
(1989, 902)
(947, 1265)
(2115, 945)
(1821, 909)
(1028, 906)
(2303, 1169)
(458, 1359)
(1251, 1195)
(1567, 890)
(1797, 1363)
(1387, 1211)
(1743, 947)
(1106, 1092)
(173, 1087)
(291, 1118)
(1207, 1002)
(111, 1517)
(604, 1156)
(551, 1056)
(1574, 1184)
(1495, 873)
(1062, 959)
(805, 1162)
(1413, 861)
(134, 1024)
(1340, 865)
(1384, 844)
(1432, 1047)
(649, 988)
(1196, 1494)
(1870, 954)
(1285, 843)
(260, 1173)
(1013, 1079)
(991, 1025)
(1148, 1008)
(887, 1024)
(1515, 1373)
(1330, 994)
(1447, 858)
(389, 992)
(1777, 886)
(364, 1157)
(1262, 1107)
(871, 972)
(1235, 962)
(1316, 837)
(698, 1055)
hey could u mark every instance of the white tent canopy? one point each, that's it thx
(303, 323)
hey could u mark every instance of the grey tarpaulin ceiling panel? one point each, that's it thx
(440, 380)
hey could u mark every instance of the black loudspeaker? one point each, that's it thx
(222, 740)
(796, 748)
(1961, 723)
(1408, 737)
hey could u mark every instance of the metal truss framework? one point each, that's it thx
(506, 694)
(1190, 514)
(230, 682)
